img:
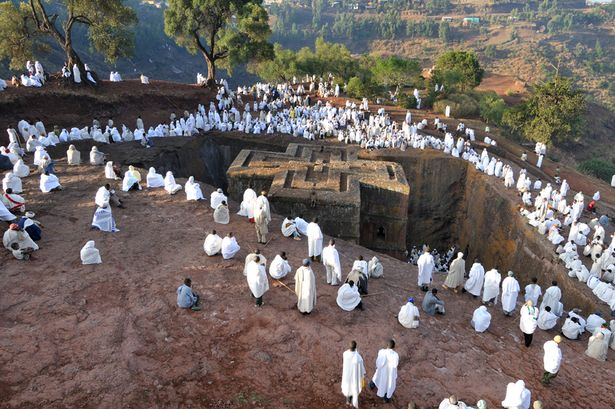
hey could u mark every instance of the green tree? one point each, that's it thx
(554, 112)
(108, 24)
(281, 68)
(444, 32)
(598, 50)
(491, 108)
(225, 32)
(395, 71)
(458, 69)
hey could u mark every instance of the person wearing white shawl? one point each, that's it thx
(425, 265)
(517, 396)
(11, 181)
(263, 202)
(491, 288)
(213, 244)
(510, 291)
(409, 315)
(49, 183)
(533, 291)
(154, 179)
(305, 287)
(260, 223)
(456, 273)
(289, 229)
(315, 237)
(193, 190)
(5, 214)
(103, 219)
(597, 348)
(385, 377)
(348, 297)
(360, 265)
(216, 198)
(169, 184)
(353, 373)
(331, 261)
(20, 169)
(73, 156)
(130, 182)
(251, 257)
(12, 201)
(39, 155)
(257, 280)
(474, 284)
(246, 208)
(481, 319)
(552, 359)
(144, 80)
(452, 403)
(279, 267)
(301, 225)
(109, 172)
(546, 319)
(90, 254)
(96, 157)
(76, 74)
(551, 297)
(16, 235)
(229, 247)
(374, 268)
(221, 214)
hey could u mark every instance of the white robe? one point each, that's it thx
(517, 396)
(426, 265)
(551, 298)
(314, 235)
(279, 267)
(510, 291)
(216, 198)
(154, 179)
(305, 289)
(246, 208)
(407, 315)
(128, 181)
(212, 244)
(348, 297)
(533, 292)
(552, 358)
(193, 190)
(492, 285)
(385, 376)
(48, 182)
(546, 320)
(20, 169)
(90, 254)
(109, 172)
(474, 284)
(301, 225)
(229, 247)
(257, 279)
(103, 220)
(481, 319)
(169, 184)
(353, 372)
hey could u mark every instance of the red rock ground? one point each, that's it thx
(110, 336)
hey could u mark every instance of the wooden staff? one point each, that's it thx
(372, 294)
(287, 287)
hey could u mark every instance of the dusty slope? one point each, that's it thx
(110, 336)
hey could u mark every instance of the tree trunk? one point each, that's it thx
(211, 73)
(72, 58)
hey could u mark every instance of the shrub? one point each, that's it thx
(598, 168)
(355, 87)
(462, 106)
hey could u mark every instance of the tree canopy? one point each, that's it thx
(225, 32)
(24, 25)
(554, 112)
(396, 71)
(458, 69)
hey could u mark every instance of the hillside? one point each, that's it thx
(110, 336)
